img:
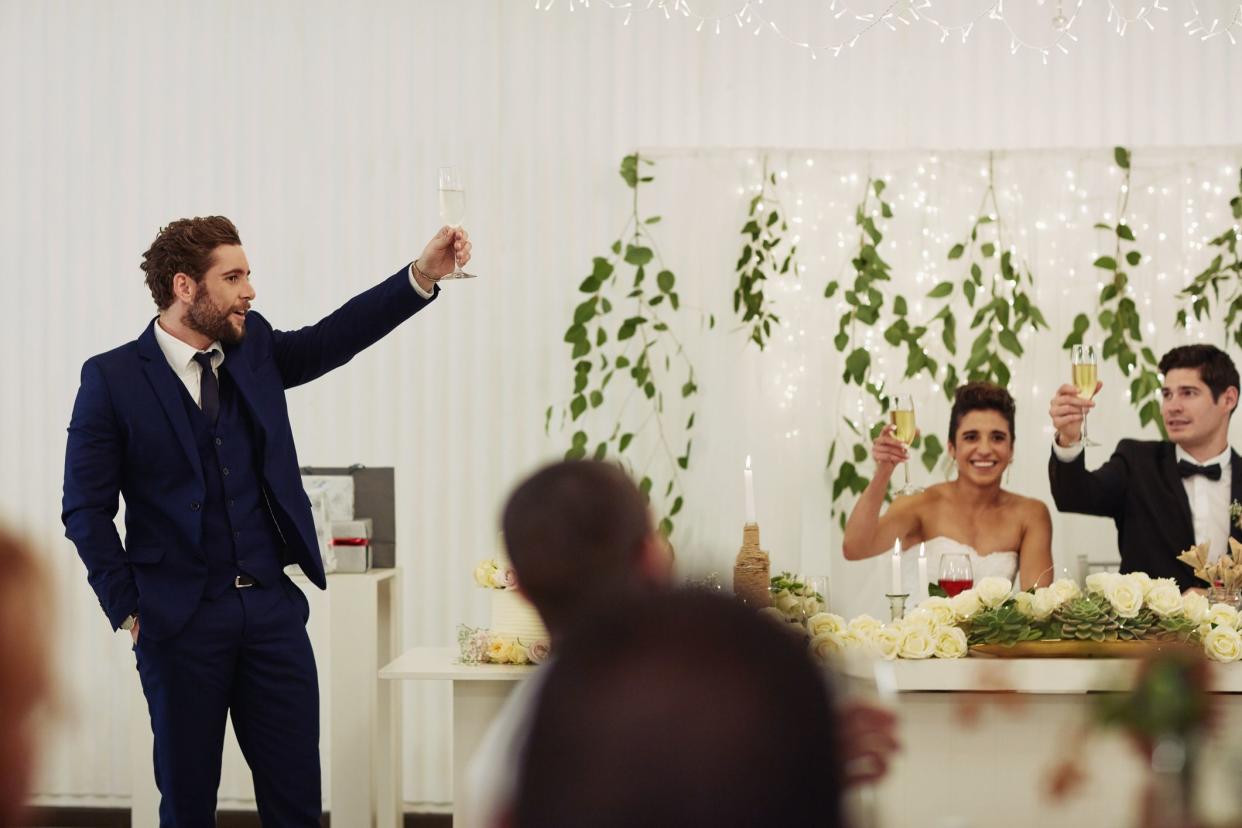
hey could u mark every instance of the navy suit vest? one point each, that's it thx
(239, 532)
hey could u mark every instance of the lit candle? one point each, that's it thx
(922, 590)
(750, 492)
(896, 590)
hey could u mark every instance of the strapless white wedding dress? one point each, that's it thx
(1002, 564)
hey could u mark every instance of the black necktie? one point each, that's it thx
(1188, 469)
(210, 390)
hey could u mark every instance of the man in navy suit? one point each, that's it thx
(189, 423)
(1163, 496)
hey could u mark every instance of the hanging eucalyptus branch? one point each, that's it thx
(1118, 315)
(637, 342)
(1225, 271)
(761, 260)
(996, 289)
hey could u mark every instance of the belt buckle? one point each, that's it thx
(237, 582)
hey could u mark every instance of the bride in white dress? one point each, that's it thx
(1003, 533)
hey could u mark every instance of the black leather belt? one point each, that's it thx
(243, 581)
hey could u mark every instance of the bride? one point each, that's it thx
(1003, 533)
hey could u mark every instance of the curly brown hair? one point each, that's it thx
(981, 396)
(185, 246)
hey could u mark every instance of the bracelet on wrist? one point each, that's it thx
(420, 272)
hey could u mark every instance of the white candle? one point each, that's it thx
(750, 492)
(922, 590)
(896, 585)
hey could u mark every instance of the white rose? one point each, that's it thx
(1024, 602)
(483, 574)
(1100, 582)
(1169, 581)
(824, 623)
(993, 591)
(1195, 607)
(1223, 615)
(499, 650)
(498, 578)
(887, 641)
(1126, 596)
(519, 655)
(965, 604)
(917, 642)
(539, 651)
(865, 627)
(826, 645)
(1065, 590)
(951, 642)
(1045, 603)
(1223, 644)
(922, 619)
(811, 605)
(851, 640)
(1164, 599)
(940, 607)
(1141, 579)
(788, 603)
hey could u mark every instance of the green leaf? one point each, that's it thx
(860, 453)
(968, 288)
(899, 305)
(956, 251)
(878, 185)
(856, 365)
(666, 527)
(637, 255)
(976, 273)
(629, 170)
(597, 399)
(585, 312)
(652, 220)
(601, 451)
(1105, 263)
(644, 486)
(677, 504)
(932, 450)
(665, 280)
(626, 439)
(1134, 257)
(941, 290)
(1124, 232)
(1009, 341)
(1122, 156)
(988, 250)
(577, 406)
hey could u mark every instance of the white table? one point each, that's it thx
(362, 719)
(994, 771)
(479, 691)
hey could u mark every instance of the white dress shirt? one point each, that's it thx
(1209, 499)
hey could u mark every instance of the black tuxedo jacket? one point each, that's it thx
(1140, 489)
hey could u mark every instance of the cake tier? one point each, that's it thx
(514, 617)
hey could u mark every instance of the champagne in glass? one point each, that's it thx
(1084, 361)
(901, 414)
(453, 211)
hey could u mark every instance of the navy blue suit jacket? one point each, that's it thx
(130, 435)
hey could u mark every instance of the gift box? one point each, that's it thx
(371, 494)
(351, 543)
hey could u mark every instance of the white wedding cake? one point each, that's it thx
(513, 617)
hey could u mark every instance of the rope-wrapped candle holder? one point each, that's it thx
(752, 570)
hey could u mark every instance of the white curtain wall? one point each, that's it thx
(317, 127)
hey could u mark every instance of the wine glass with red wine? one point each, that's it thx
(956, 573)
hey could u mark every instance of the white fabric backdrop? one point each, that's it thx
(317, 127)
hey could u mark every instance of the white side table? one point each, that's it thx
(479, 691)
(364, 717)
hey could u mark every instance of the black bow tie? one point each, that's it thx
(1188, 469)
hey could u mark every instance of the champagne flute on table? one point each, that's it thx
(1084, 359)
(956, 573)
(453, 211)
(901, 414)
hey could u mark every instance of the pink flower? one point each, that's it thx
(538, 651)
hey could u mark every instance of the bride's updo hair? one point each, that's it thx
(980, 396)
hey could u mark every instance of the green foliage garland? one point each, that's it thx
(637, 342)
(1224, 272)
(764, 256)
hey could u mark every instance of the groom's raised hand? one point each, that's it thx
(1067, 410)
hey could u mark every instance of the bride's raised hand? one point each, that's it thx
(888, 451)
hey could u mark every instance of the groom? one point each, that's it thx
(1164, 497)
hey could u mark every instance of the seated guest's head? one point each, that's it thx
(1199, 394)
(981, 432)
(577, 531)
(25, 671)
(681, 708)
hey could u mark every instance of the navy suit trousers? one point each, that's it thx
(244, 654)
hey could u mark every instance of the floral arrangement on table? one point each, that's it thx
(480, 646)
(795, 599)
(1225, 572)
(1113, 607)
(491, 574)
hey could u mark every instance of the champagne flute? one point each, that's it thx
(816, 586)
(901, 413)
(1084, 359)
(956, 573)
(453, 211)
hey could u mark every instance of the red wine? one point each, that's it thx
(952, 588)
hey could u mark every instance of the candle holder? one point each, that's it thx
(752, 577)
(897, 605)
